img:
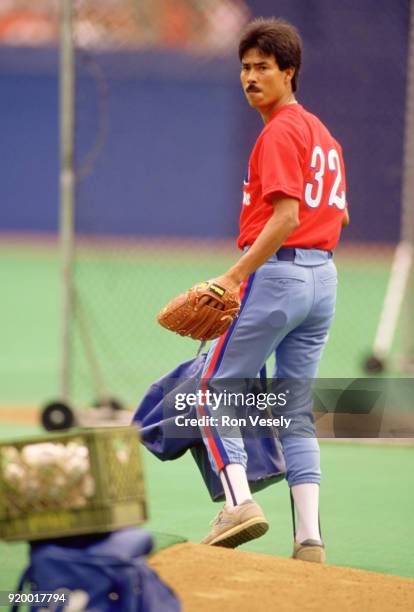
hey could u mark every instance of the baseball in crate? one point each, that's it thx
(77, 499)
(293, 208)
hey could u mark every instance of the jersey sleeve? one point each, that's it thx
(280, 164)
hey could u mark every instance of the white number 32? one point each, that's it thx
(314, 190)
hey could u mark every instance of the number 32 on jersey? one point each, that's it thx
(321, 164)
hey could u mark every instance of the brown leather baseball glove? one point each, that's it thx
(185, 316)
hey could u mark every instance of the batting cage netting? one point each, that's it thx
(161, 137)
(156, 87)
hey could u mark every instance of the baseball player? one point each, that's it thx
(294, 206)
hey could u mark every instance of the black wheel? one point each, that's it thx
(374, 365)
(57, 416)
(109, 402)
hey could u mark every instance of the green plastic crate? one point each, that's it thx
(110, 494)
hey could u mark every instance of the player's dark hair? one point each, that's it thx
(274, 37)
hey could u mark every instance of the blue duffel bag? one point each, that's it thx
(105, 573)
(156, 416)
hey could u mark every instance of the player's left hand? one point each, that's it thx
(225, 280)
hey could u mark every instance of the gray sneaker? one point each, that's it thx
(309, 550)
(230, 529)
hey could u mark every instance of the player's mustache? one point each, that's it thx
(252, 88)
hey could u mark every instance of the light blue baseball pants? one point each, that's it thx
(287, 309)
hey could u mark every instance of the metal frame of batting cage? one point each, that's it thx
(59, 414)
(399, 298)
(67, 183)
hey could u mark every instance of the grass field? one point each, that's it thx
(366, 506)
(119, 291)
(368, 491)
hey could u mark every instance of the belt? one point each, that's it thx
(289, 254)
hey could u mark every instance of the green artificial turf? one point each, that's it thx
(366, 508)
(368, 491)
(117, 348)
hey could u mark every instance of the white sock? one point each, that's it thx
(236, 486)
(306, 497)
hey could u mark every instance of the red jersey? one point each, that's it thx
(295, 155)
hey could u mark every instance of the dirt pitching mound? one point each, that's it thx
(208, 578)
